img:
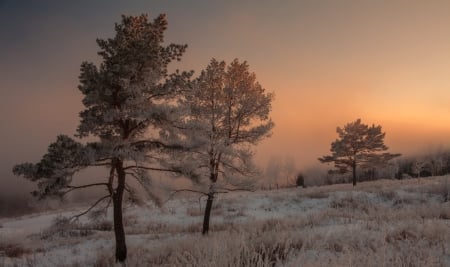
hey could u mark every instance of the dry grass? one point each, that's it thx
(194, 212)
(278, 242)
(316, 195)
(385, 223)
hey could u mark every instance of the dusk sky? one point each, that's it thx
(328, 63)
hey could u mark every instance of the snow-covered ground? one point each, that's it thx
(380, 223)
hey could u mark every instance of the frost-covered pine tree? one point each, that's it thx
(229, 112)
(358, 145)
(127, 99)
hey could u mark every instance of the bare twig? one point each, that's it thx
(75, 217)
(185, 190)
(108, 204)
(72, 188)
(151, 169)
(236, 169)
(238, 189)
(128, 189)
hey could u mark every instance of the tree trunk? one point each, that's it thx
(121, 247)
(208, 208)
(209, 203)
(354, 173)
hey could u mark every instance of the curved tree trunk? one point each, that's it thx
(209, 203)
(121, 248)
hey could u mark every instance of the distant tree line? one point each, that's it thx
(360, 150)
(434, 164)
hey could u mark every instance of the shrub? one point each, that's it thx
(300, 180)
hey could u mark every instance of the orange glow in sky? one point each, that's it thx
(328, 62)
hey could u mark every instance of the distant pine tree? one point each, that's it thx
(358, 145)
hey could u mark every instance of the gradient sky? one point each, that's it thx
(328, 62)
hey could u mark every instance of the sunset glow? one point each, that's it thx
(328, 63)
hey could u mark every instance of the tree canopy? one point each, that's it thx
(229, 112)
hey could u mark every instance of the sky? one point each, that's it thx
(328, 62)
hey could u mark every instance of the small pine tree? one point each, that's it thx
(358, 145)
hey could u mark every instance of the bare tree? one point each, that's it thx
(289, 171)
(125, 97)
(272, 172)
(229, 113)
(358, 145)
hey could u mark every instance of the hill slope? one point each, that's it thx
(380, 223)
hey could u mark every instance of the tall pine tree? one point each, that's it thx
(127, 99)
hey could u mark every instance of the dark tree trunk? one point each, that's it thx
(208, 208)
(121, 247)
(354, 173)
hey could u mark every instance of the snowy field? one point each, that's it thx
(380, 223)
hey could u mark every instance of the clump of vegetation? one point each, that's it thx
(300, 180)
